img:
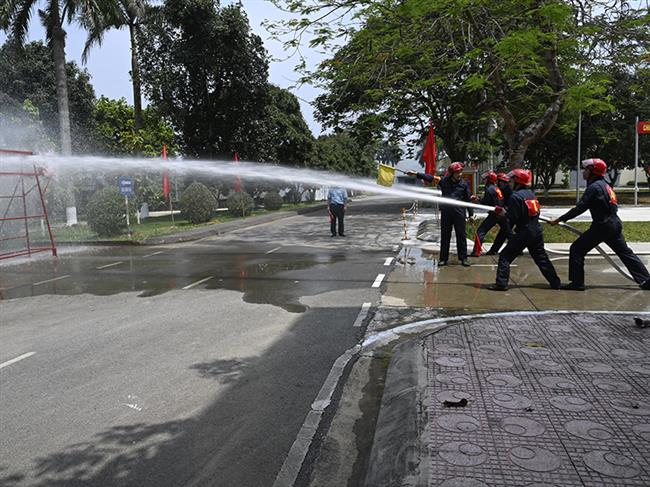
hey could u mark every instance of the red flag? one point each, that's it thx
(165, 174)
(237, 181)
(429, 152)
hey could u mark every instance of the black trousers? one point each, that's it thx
(456, 220)
(501, 237)
(337, 212)
(610, 233)
(486, 225)
(533, 239)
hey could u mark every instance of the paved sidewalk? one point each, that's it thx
(518, 400)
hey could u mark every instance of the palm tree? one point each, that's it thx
(16, 16)
(120, 13)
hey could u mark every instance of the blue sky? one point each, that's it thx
(109, 64)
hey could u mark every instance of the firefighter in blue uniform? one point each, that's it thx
(523, 218)
(599, 198)
(452, 217)
(493, 197)
(503, 183)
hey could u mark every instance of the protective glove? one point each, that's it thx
(474, 198)
(554, 222)
(499, 210)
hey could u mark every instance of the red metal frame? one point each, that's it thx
(36, 174)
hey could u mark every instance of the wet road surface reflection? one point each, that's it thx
(280, 278)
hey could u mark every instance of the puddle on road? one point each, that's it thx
(277, 280)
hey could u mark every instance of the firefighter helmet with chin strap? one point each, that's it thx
(490, 176)
(521, 176)
(456, 167)
(503, 177)
(597, 166)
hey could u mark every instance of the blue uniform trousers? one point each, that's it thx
(611, 233)
(533, 239)
(452, 219)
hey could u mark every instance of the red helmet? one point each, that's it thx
(490, 176)
(598, 166)
(456, 167)
(503, 177)
(521, 176)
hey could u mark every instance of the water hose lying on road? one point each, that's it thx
(600, 250)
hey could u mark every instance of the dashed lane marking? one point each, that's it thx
(190, 286)
(152, 254)
(365, 307)
(389, 260)
(378, 280)
(109, 265)
(17, 359)
(51, 280)
(273, 250)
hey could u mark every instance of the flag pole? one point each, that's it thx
(636, 162)
(166, 184)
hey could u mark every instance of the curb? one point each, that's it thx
(395, 454)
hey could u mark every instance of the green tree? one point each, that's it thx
(16, 16)
(116, 131)
(462, 62)
(205, 70)
(115, 15)
(286, 138)
(341, 152)
(28, 76)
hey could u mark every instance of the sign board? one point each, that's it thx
(643, 128)
(126, 186)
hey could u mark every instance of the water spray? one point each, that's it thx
(270, 172)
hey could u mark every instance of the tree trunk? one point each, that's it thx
(135, 77)
(516, 156)
(58, 51)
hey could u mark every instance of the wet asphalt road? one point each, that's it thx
(189, 364)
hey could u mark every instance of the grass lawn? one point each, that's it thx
(625, 197)
(151, 227)
(633, 231)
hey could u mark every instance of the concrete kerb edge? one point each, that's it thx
(294, 460)
(293, 463)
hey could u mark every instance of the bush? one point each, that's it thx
(240, 204)
(293, 196)
(272, 201)
(198, 203)
(106, 212)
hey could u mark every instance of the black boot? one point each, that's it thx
(572, 286)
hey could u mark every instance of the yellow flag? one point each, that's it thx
(386, 176)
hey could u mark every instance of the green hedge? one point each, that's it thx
(106, 212)
(198, 203)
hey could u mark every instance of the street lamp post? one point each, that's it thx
(579, 153)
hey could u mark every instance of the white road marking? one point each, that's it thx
(273, 250)
(109, 265)
(152, 254)
(17, 359)
(389, 261)
(565, 257)
(492, 265)
(362, 314)
(377, 283)
(190, 286)
(51, 280)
